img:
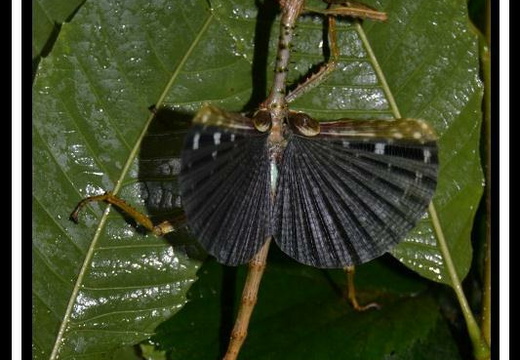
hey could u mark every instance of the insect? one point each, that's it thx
(330, 194)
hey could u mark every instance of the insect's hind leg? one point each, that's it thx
(248, 301)
(351, 292)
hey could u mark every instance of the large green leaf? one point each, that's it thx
(48, 15)
(302, 314)
(101, 284)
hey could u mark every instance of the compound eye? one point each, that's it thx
(303, 124)
(262, 120)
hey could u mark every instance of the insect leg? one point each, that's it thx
(351, 292)
(163, 228)
(248, 301)
(336, 8)
(317, 78)
(354, 9)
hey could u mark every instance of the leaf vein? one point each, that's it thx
(51, 268)
(38, 202)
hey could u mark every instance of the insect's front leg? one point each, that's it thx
(350, 8)
(335, 9)
(324, 71)
(161, 229)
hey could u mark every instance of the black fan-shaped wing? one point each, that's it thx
(350, 193)
(224, 184)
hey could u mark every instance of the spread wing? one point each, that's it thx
(224, 185)
(352, 192)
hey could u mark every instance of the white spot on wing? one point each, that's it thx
(232, 137)
(380, 148)
(418, 177)
(216, 138)
(427, 156)
(214, 154)
(196, 139)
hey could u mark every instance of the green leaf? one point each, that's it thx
(100, 285)
(301, 314)
(48, 15)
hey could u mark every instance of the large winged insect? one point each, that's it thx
(344, 192)
(330, 194)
